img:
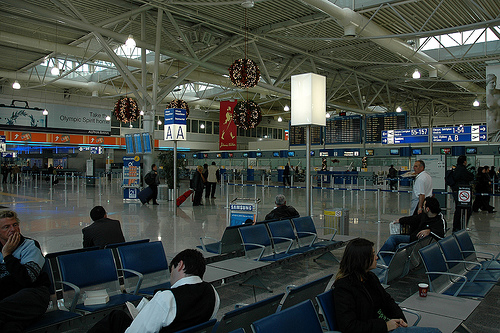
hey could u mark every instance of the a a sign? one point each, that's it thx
(460, 134)
(174, 125)
(3, 145)
(129, 143)
(405, 136)
(131, 170)
(148, 148)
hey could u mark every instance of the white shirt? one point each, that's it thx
(162, 309)
(422, 185)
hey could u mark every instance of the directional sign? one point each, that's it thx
(400, 136)
(175, 125)
(3, 145)
(459, 134)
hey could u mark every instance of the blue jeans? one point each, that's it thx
(391, 244)
(416, 329)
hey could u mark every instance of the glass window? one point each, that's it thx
(202, 126)
(259, 132)
(208, 127)
(188, 125)
(194, 126)
(115, 131)
(241, 131)
(280, 134)
(253, 132)
(275, 133)
(216, 127)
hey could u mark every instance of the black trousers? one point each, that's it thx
(155, 192)
(210, 190)
(116, 322)
(19, 310)
(197, 197)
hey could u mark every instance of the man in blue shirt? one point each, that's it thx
(24, 293)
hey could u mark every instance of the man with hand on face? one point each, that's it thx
(189, 302)
(24, 292)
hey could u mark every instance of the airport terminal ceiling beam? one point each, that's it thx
(347, 17)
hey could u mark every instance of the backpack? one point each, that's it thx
(449, 178)
(150, 178)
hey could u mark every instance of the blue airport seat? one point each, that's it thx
(89, 271)
(487, 260)
(299, 318)
(444, 282)
(243, 317)
(205, 327)
(257, 243)
(327, 309)
(296, 295)
(148, 262)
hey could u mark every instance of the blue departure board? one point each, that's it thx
(405, 136)
(460, 134)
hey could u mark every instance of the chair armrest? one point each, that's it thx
(334, 233)
(413, 313)
(258, 245)
(240, 305)
(203, 244)
(309, 233)
(72, 307)
(387, 252)
(382, 266)
(454, 275)
(139, 275)
(479, 266)
(290, 287)
(287, 239)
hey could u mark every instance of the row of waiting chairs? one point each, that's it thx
(453, 267)
(397, 264)
(271, 240)
(120, 269)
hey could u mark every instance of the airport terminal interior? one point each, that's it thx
(55, 216)
(91, 88)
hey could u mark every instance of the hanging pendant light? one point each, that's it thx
(130, 43)
(16, 85)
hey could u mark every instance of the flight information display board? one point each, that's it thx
(459, 134)
(414, 135)
(298, 135)
(377, 123)
(343, 130)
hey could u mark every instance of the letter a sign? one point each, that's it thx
(175, 125)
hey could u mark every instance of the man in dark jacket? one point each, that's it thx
(24, 292)
(282, 211)
(429, 222)
(198, 184)
(462, 177)
(103, 231)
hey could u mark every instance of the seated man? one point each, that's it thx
(189, 302)
(429, 222)
(282, 211)
(24, 292)
(103, 231)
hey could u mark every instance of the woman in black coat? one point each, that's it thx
(361, 303)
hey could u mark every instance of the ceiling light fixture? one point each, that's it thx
(55, 70)
(247, 3)
(131, 126)
(476, 103)
(16, 85)
(398, 109)
(416, 74)
(130, 43)
(141, 113)
(280, 119)
(286, 108)
(45, 112)
(328, 115)
(159, 122)
(202, 126)
(108, 118)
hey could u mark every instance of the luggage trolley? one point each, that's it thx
(242, 209)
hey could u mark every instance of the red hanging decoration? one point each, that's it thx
(244, 73)
(247, 114)
(179, 104)
(126, 110)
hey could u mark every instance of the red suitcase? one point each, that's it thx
(183, 197)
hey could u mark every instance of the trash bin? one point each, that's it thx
(337, 218)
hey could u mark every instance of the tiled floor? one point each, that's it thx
(56, 216)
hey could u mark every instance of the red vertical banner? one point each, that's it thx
(227, 127)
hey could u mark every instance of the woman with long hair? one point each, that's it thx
(361, 303)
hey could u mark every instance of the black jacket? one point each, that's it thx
(436, 224)
(356, 309)
(102, 232)
(282, 212)
(462, 177)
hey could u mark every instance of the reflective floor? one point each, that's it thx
(55, 216)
